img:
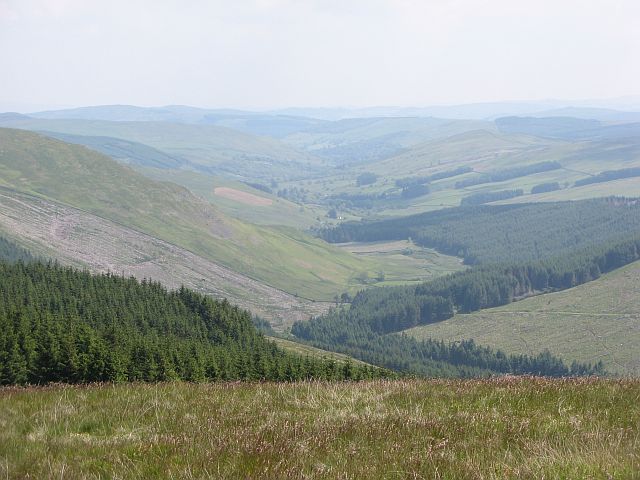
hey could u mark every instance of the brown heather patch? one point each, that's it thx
(508, 427)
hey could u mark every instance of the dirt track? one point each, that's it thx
(82, 239)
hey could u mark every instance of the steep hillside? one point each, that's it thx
(596, 321)
(95, 184)
(75, 237)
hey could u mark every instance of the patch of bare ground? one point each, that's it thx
(242, 197)
(81, 239)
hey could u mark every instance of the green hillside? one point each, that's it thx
(503, 161)
(272, 211)
(355, 136)
(286, 259)
(599, 320)
(217, 148)
(125, 151)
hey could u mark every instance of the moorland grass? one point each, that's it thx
(499, 428)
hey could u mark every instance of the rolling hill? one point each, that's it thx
(264, 124)
(208, 147)
(366, 140)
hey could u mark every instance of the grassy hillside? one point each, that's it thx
(484, 152)
(76, 176)
(364, 140)
(78, 238)
(275, 211)
(124, 151)
(489, 429)
(218, 148)
(308, 350)
(599, 320)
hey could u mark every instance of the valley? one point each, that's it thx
(319, 240)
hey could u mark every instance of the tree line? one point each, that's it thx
(487, 234)
(425, 179)
(488, 197)
(508, 174)
(608, 176)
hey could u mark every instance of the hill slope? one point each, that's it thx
(216, 148)
(75, 237)
(596, 321)
(77, 177)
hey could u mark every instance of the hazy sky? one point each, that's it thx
(277, 53)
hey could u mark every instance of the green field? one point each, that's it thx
(475, 429)
(599, 320)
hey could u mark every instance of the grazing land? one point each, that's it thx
(599, 320)
(477, 429)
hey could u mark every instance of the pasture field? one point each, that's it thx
(505, 427)
(402, 257)
(599, 320)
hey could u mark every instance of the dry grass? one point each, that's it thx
(501, 428)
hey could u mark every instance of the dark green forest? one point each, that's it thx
(11, 252)
(516, 250)
(59, 324)
(422, 180)
(363, 329)
(608, 176)
(487, 234)
(545, 187)
(488, 197)
(508, 174)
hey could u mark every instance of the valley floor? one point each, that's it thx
(500, 428)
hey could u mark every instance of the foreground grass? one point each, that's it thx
(501, 428)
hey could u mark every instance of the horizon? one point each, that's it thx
(621, 103)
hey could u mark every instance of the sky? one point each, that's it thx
(263, 54)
